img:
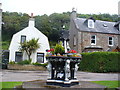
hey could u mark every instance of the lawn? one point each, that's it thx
(10, 84)
(109, 84)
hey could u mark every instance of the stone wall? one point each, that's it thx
(119, 41)
(0, 29)
(101, 40)
(73, 34)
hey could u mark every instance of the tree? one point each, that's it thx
(29, 46)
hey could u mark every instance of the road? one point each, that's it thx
(19, 75)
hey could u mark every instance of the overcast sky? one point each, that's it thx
(40, 7)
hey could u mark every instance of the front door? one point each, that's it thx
(40, 57)
(18, 56)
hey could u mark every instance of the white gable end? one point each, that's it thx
(30, 32)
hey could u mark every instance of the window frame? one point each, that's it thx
(90, 23)
(41, 54)
(111, 41)
(22, 38)
(93, 39)
(18, 54)
(74, 41)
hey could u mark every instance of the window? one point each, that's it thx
(74, 41)
(90, 24)
(93, 40)
(23, 38)
(119, 27)
(40, 57)
(110, 41)
(18, 56)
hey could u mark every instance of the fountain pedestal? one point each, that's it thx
(62, 70)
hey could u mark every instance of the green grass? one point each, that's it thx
(109, 84)
(10, 84)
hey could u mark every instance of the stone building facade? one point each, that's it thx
(0, 16)
(89, 35)
(0, 25)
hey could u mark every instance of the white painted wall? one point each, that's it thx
(30, 32)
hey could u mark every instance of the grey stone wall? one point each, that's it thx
(0, 29)
(83, 39)
(119, 41)
(73, 33)
(101, 40)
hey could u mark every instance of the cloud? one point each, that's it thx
(40, 7)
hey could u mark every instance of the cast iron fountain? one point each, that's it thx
(62, 69)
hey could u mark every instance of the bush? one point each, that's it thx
(12, 62)
(59, 49)
(25, 62)
(100, 62)
(39, 64)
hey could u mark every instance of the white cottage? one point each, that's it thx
(28, 33)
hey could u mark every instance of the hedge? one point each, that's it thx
(100, 62)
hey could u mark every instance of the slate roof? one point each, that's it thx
(99, 26)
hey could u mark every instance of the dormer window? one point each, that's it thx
(90, 23)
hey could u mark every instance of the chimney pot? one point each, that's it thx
(31, 15)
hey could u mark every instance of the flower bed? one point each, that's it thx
(59, 51)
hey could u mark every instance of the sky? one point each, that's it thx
(41, 7)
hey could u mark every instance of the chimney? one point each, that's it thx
(31, 21)
(73, 14)
(0, 5)
(31, 15)
(119, 8)
(0, 16)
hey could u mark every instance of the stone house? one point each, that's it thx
(27, 34)
(0, 24)
(90, 35)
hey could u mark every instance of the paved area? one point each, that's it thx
(42, 84)
(17, 75)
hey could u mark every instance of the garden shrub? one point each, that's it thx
(39, 64)
(12, 62)
(100, 62)
(59, 49)
(25, 62)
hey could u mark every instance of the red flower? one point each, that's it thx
(48, 50)
(51, 49)
(72, 51)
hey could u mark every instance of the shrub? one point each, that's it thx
(59, 49)
(25, 62)
(12, 62)
(39, 64)
(100, 62)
